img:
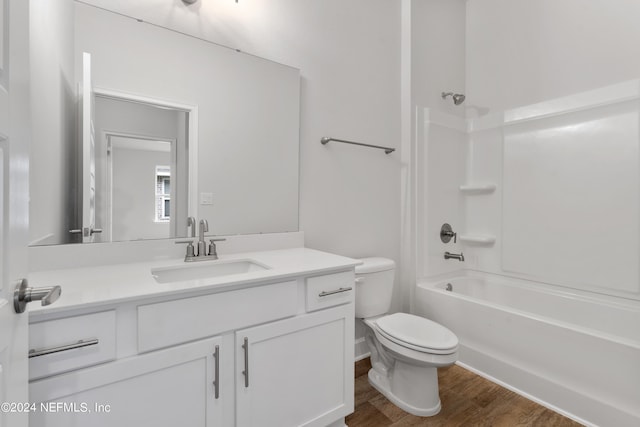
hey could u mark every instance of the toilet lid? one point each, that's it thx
(417, 331)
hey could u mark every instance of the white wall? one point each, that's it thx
(521, 52)
(134, 202)
(565, 178)
(438, 53)
(348, 54)
(52, 176)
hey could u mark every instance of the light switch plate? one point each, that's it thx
(206, 198)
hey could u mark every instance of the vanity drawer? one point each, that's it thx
(61, 345)
(174, 322)
(330, 290)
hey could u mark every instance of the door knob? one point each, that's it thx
(24, 294)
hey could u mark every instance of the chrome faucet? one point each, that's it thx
(191, 222)
(203, 253)
(449, 255)
(202, 245)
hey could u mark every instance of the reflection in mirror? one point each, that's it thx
(136, 212)
(142, 170)
(240, 112)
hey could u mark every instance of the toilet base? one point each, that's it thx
(417, 396)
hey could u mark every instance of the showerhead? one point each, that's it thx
(458, 98)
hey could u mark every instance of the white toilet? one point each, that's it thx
(406, 350)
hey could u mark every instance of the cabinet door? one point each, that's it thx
(300, 370)
(173, 387)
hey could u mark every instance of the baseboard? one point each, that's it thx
(361, 350)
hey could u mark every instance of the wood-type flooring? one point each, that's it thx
(467, 400)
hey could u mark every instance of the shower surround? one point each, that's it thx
(545, 200)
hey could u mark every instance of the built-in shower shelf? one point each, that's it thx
(478, 239)
(478, 188)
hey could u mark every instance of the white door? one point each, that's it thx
(296, 372)
(14, 204)
(177, 386)
(88, 153)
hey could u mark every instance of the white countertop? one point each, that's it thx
(106, 285)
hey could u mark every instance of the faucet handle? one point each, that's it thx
(183, 241)
(446, 233)
(213, 251)
(191, 253)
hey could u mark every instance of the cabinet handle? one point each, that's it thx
(45, 351)
(337, 291)
(216, 382)
(245, 346)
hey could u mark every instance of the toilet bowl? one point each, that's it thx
(406, 350)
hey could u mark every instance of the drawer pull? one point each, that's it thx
(337, 291)
(216, 383)
(245, 346)
(45, 351)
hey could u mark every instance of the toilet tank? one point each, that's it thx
(374, 286)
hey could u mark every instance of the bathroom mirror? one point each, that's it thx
(181, 127)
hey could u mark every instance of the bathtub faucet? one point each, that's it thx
(449, 255)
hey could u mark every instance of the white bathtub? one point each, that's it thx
(575, 354)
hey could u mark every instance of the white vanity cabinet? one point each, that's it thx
(172, 387)
(263, 355)
(296, 372)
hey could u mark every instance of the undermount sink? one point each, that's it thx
(204, 270)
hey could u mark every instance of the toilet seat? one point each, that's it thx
(417, 333)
